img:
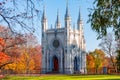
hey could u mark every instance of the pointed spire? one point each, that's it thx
(67, 10)
(58, 20)
(79, 21)
(58, 25)
(44, 13)
(44, 20)
(79, 16)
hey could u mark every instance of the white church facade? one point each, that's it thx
(63, 48)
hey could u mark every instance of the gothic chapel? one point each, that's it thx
(63, 49)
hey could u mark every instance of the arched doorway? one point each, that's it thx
(55, 64)
(75, 64)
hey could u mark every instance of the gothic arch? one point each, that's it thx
(76, 63)
(55, 62)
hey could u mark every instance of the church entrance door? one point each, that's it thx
(55, 64)
(75, 64)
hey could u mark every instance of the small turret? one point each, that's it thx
(58, 24)
(44, 20)
(67, 17)
(67, 12)
(79, 21)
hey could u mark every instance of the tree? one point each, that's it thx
(37, 58)
(27, 61)
(105, 14)
(27, 56)
(107, 62)
(98, 58)
(19, 14)
(24, 63)
(118, 55)
(118, 60)
(90, 62)
(118, 44)
(108, 46)
(4, 59)
(12, 41)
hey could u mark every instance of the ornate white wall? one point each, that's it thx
(65, 45)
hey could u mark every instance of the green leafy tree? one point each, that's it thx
(105, 14)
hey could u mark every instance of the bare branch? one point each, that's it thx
(6, 21)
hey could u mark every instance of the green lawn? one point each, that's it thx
(64, 77)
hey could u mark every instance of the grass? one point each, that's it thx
(64, 77)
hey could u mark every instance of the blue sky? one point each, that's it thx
(51, 11)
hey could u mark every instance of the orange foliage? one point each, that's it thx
(37, 57)
(90, 61)
(95, 61)
(2, 43)
(25, 57)
(3, 58)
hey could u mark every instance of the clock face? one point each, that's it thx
(56, 43)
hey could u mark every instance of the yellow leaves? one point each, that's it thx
(10, 66)
(95, 59)
(28, 60)
(22, 64)
(31, 65)
(99, 52)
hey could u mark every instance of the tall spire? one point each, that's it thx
(58, 20)
(79, 21)
(44, 13)
(44, 20)
(79, 16)
(67, 10)
(58, 25)
(67, 17)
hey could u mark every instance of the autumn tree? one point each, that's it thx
(98, 58)
(4, 59)
(29, 57)
(108, 46)
(118, 60)
(118, 55)
(107, 62)
(26, 59)
(12, 41)
(11, 47)
(24, 63)
(90, 62)
(37, 58)
(33, 51)
(105, 14)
